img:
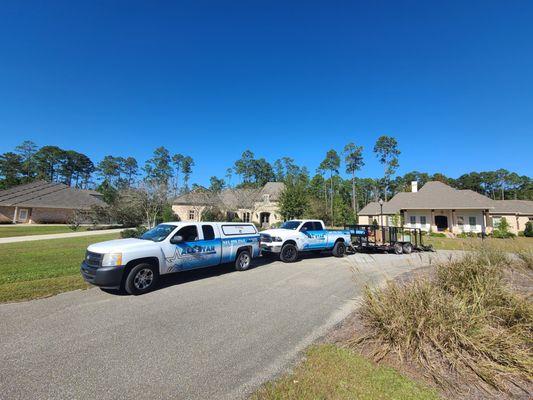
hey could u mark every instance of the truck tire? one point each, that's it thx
(141, 279)
(339, 249)
(398, 249)
(289, 253)
(243, 260)
(407, 248)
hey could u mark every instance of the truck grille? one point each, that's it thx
(266, 238)
(93, 259)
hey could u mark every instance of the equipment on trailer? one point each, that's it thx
(375, 238)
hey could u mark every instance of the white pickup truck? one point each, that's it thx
(136, 264)
(299, 235)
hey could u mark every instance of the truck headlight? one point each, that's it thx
(277, 239)
(112, 260)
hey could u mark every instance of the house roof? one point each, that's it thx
(231, 198)
(433, 195)
(48, 195)
(513, 207)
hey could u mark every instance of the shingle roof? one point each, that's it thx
(513, 207)
(48, 195)
(231, 198)
(433, 195)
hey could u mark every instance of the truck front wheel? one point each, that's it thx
(141, 279)
(289, 253)
(243, 260)
(339, 249)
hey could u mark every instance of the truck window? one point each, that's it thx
(188, 233)
(317, 226)
(308, 226)
(208, 231)
(233, 229)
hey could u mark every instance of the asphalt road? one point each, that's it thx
(209, 334)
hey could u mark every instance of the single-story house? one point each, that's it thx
(45, 202)
(439, 207)
(249, 205)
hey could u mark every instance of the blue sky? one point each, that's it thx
(452, 81)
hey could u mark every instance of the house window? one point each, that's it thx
(266, 198)
(246, 217)
(412, 219)
(23, 214)
(423, 220)
(472, 221)
(191, 214)
(460, 220)
(496, 221)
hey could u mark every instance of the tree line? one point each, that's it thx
(334, 192)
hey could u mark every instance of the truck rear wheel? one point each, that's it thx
(407, 248)
(141, 279)
(289, 253)
(243, 260)
(339, 249)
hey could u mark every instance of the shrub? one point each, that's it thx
(528, 232)
(133, 233)
(502, 230)
(463, 321)
(437, 234)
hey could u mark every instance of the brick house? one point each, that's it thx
(44, 202)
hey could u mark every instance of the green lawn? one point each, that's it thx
(30, 270)
(331, 372)
(27, 230)
(471, 243)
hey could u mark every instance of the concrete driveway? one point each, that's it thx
(209, 334)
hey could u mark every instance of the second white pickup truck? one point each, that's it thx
(299, 235)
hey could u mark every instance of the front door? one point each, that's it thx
(442, 222)
(264, 218)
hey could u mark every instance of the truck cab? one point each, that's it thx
(136, 264)
(303, 235)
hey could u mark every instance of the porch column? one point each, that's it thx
(452, 226)
(432, 221)
(15, 215)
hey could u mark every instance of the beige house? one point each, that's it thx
(441, 208)
(249, 205)
(44, 202)
(516, 212)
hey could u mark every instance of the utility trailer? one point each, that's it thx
(385, 239)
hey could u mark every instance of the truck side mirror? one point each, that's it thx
(176, 239)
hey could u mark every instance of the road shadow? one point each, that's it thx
(183, 277)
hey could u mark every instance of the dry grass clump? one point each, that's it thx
(526, 257)
(465, 323)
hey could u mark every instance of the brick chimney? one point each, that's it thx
(414, 186)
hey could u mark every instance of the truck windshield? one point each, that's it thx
(290, 225)
(159, 233)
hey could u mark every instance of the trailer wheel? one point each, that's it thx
(398, 249)
(339, 249)
(141, 279)
(243, 260)
(289, 253)
(407, 248)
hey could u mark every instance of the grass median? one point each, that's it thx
(30, 270)
(332, 372)
(510, 245)
(28, 230)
